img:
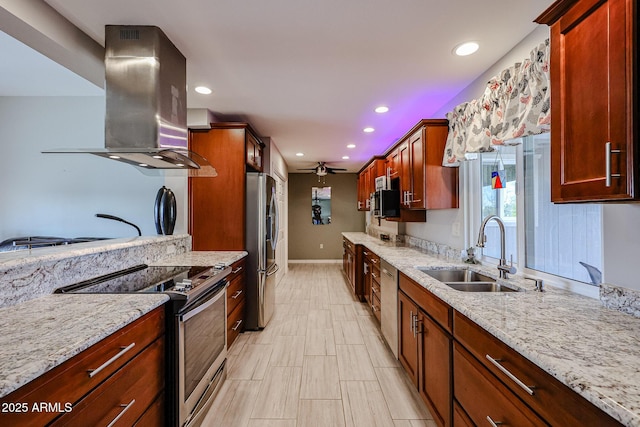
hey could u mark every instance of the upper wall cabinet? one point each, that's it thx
(594, 101)
(424, 183)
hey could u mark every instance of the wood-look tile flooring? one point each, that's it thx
(321, 361)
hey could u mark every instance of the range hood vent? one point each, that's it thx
(146, 102)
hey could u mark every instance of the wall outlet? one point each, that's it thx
(455, 229)
(321, 246)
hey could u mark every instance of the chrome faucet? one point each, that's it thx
(482, 238)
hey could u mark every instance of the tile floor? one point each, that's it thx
(321, 361)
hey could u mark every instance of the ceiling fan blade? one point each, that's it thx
(308, 169)
(338, 169)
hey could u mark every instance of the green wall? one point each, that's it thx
(304, 237)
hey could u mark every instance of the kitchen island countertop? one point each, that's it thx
(42, 333)
(591, 349)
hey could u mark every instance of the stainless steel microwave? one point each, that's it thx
(385, 203)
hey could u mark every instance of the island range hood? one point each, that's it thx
(146, 102)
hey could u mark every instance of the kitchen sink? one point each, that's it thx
(457, 275)
(466, 280)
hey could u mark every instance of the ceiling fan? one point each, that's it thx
(322, 169)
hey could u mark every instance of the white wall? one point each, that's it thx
(621, 244)
(59, 194)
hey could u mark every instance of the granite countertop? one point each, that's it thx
(38, 335)
(592, 349)
(202, 258)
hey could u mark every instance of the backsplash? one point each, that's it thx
(433, 247)
(26, 276)
(621, 299)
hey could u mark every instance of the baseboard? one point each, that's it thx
(315, 261)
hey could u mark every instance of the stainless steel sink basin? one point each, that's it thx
(458, 276)
(479, 287)
(466, 280)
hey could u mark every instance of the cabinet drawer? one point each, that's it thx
(125, 396)
(348, 245)
(237, 268)
(375, 306)
(235, 292)
(71, 380)
(154, 415)
(235, 323)
(554, 401)
(440, 311)
(483, 397)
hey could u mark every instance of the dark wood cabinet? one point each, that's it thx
(424, 346)
(235, 301)
(217, 204)
(407, 337)
(484, 398)
(254, 149)
(434, 375)
(594, 100)
(352, 262)
(133, 370)
(371, 280)
(553, 401)
(366, 181)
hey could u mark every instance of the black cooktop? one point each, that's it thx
(145, 279)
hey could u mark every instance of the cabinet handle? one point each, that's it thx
(236, 294)
(365, 253)
(126, 408)
(123, 350)
(411, 326)
(528, 389)
(374, 275)
(237, 325)
(608, 174)
(237, 270)
(415, 325)
(375, 261)
(493, 423)
(359, 205)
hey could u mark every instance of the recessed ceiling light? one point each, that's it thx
(465, 49)
(203, 90)
(157, 156)
(381, 109)
(351, 146)
(114, 157)
(144, 165)
(368, 130)
(299, 154)
(345, 157)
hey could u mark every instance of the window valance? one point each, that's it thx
(515, 103)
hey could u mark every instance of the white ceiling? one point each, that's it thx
(308, 73)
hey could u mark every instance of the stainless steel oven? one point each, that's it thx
(195, 331)
(202, 351)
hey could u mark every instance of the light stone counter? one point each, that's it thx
(203, 258)
(40, 334)
(592, 349)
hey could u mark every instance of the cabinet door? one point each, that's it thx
(392, 164)
(416, 152)
(592, 102)
(404, 166)
(407, 338)
(435, 379)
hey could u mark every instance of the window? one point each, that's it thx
(563, 240)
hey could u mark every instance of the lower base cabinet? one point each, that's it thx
(424, 348)
(118, 381)
(236, 301)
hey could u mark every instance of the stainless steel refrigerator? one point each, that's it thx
(261, 241)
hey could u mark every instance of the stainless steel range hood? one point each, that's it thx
(146, 102)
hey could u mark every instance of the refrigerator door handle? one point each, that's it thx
(273, 209)
(273, 270)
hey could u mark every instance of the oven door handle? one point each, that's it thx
(189, 314)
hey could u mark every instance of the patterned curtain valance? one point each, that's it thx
(515, 103)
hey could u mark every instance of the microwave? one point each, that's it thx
(385, 203)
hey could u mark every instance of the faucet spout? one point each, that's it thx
(482, 238)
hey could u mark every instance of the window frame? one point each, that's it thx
(471, 176)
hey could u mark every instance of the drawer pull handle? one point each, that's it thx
(94, 372)
(494, 423)
(411, 325)
(415, 325)
(237, 325)
(236, 294)
(126, 408)
(510, 375)
(236, 270)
